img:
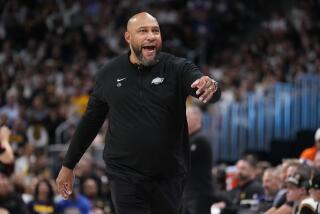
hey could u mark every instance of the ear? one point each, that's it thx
(127, 37)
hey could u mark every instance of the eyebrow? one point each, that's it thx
(142, 27)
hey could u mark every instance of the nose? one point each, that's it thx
(151, 35)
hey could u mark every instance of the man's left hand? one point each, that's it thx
(206, 87)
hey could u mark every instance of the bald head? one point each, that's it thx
(144, 38)
(139, 19)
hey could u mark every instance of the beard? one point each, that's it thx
(243, 178)
(146, 62)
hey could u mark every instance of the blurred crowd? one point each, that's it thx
(51, 50)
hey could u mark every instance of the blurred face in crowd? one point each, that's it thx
(4, 186)
(292, 170)
(287, 170)
(270, 182)
(295, 193)
(315, 194)
(43, 190)
(90, 188)
(245, 172)
(144, 38)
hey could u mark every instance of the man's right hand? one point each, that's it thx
(65, 181)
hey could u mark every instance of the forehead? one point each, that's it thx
(243, 164)
(136, 23)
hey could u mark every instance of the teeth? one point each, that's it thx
(149, 47)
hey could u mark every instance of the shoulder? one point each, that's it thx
(308, 151)
(112, 65)
(309, 203)
(172, 59)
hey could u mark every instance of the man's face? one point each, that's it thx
(245, 172)
(315, 194)
(295, 193)
(270, 183)
(144, 38)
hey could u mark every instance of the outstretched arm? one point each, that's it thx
(196, 84)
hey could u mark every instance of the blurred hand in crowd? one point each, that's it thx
(6, 154)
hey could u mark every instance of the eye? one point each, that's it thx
(157, 31)
(143, 30)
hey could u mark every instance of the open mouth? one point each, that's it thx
(149, 48)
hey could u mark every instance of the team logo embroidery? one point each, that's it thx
(157, 81)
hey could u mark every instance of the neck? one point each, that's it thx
(133, 58)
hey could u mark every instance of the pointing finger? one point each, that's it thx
(195, 83)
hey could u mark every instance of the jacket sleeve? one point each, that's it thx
(191, 73)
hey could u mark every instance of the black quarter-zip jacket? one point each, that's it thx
(147, 134)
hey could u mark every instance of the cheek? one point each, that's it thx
(137, 40)
(290, 195)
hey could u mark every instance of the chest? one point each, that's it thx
(137, 87)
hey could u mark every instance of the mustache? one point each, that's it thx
(139, 54)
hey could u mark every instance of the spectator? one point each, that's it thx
(11, 109)
(297, 190)
(271, 184)
(312, 153)
(248, 187)
(9, 200)
(310, 205)
(91, 189)
(43, 200)
(286, 170)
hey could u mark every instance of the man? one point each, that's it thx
(311, 205)
(271, 184)
(248, 188)
(197, 196)
(297, 184)
(312, 153)
(147, 149)
(287, 169)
